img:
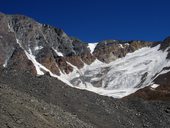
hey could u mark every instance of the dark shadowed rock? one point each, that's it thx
(165, 44)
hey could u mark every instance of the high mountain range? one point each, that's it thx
(49, 79)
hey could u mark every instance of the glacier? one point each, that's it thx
(122, 76)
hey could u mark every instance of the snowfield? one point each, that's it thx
(92, 46)
(122, 76)
(116, 79)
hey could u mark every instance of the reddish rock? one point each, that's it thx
(75, 60)
(46, 58)
(88, 58)
(108, 51)
(64, 66)
(160, 93)
(19, 61)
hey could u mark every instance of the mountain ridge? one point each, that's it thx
(44, 49)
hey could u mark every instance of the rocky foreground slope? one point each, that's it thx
(39, 63)
(28, 101)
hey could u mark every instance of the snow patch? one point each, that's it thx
(36, 64)
(10, 28)
(38, 48)
(5, 64)
(58, 53)
(18, 42)
(120, 45)
(127, 44)
(92, 46)
(154, 86)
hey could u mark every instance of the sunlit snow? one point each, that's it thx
(123, 76)
(57, 52)
(154, 86)
(92, 46)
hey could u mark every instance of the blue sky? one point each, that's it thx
(96, 20)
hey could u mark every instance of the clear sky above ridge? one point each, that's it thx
(96, 20)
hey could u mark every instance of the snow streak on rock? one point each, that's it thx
(92, 46)
(154, 86)
(57, 52)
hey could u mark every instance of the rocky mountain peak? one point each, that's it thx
(45, 75)
(40, 49)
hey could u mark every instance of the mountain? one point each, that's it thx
(45, 75)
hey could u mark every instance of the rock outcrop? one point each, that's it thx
(113, 49)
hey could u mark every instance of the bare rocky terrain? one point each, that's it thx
(28, 101)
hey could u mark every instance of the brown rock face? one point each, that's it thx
(19, 61)
(105, 53)
(108, 51)
(63, 65)
(46, 58)
(160, 93)
(82, 53)
(134, 45)
(88, 58)
(75, 60)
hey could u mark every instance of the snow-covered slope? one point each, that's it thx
(123, 76)
(92, 46)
